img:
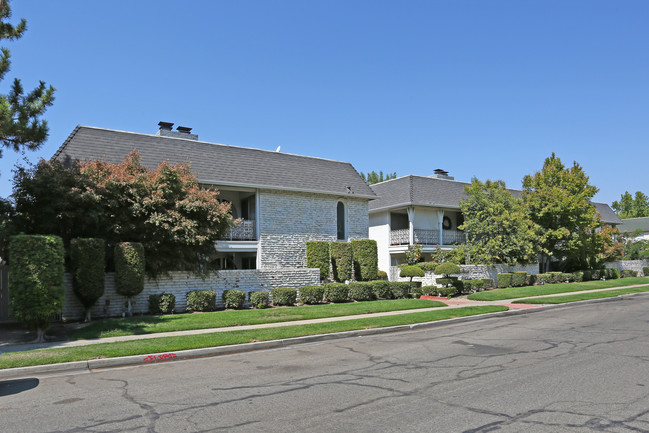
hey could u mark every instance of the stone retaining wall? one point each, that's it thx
(634, 265)
(113, 305)
(469, 272)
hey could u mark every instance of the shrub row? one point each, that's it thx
(645, 271)
(357, 258)
(519, 278)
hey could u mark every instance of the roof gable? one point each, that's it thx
(218, 164)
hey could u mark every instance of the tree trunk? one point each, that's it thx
(40, 335)
(88, 317)
(129, 310)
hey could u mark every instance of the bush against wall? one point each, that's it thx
(336, 292)
(366, 261)
(129, 270)
(87, 262)
(162, 303)
(341, 260)
(234, 299)
(201, 300)
(317, 256)
(311, 294)
(284, 296)
(259, 299)
(36, 287)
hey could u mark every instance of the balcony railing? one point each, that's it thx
(242, 231)
(426, 237)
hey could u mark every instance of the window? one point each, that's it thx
(340, 219)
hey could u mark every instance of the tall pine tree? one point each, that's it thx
(20, 126)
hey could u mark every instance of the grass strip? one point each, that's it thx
(172, 344)
(220, 319)
(551, 289)
(582, 296)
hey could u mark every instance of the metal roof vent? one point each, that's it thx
(441, 174)
(180, 132)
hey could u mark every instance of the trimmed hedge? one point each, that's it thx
(259, 299)
(382, 289)
(284, 296)
(505, 280)
(519, 278)
(341, 260)
(544, 279)
(361, 291)
(233, 299)
(578, 276)
(381, 275)
(129, 268)
(555, 277)
(365, 258)
(400, 289)
(311, 294)
(162, 303)
(36, 289)
(488, 283)
(596, 274)
(645, 271)
(87, 262)
(317, 256)
(626, 273)
(611, 273)
(427, 266)
(336, 292)
(201, 300)
(473, 285)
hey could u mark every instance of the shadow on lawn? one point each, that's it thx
(127, 325)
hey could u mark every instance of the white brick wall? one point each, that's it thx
(634, 265)
(289, 219)
(112, 304)
(469, 272)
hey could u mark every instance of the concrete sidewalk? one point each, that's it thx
(459, 302)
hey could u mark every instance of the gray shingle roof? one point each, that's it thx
(427, 191)
(217, 163)
(629, 225)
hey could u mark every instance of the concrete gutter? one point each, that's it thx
(155, 358)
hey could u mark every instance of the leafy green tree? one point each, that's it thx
(165, 209)
(413, 254)
(558, 200)
(374, 177)
(632, 207)
(20, 126)
(497, 226)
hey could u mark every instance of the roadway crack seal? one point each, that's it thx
(144, 359)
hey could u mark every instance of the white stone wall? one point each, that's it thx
(634, 265)
(289, 219)
(379, 230)
(469, 272)
(111, 304)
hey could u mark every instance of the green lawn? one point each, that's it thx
(172, 344)
(550, 289)
(583, 296)
(219, 319)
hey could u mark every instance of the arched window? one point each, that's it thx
(340, 220)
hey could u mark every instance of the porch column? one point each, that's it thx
(257, 229)
(440, 217)
(411, 226)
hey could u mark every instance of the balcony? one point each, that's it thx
(242, 231)
(426, 237)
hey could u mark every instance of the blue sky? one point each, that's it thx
(479, 88)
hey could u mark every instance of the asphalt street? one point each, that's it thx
(578, 369)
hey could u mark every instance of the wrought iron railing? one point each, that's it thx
(242, 231)
(426, 237)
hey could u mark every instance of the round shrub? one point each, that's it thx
(381, 275)
(488, 283)
(427, 266)
(612, 274)
(87, 262)
(645, 271)
(284, 296)
(361, 291)
(411, 271)
(447, 268)
(36, 289)
(445, 282)
(201, 300)
(162, 303)
(447, 291)
(336, 292)
(596, 274)
(382, 289)
(259, 299)
(429, 291)
(234, 299)
(311, 294)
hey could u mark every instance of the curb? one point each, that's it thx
(157, 358)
